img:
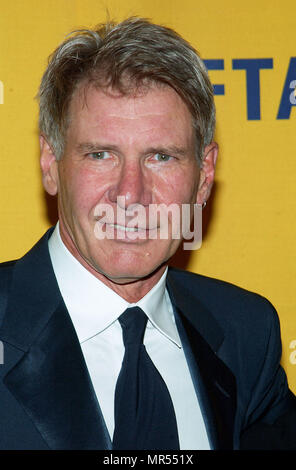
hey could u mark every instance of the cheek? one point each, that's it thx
(177, 187)
(82, 192)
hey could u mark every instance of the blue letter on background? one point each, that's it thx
(252, 67)
(216, 64)
(286, 101)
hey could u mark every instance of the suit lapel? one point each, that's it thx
(214, 383)
(49, 378)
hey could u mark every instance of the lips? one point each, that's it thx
(127, 229)
(115, 231)
(130, 227)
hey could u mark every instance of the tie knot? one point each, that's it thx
(133, 322)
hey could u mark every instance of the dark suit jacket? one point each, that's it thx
(230, 336)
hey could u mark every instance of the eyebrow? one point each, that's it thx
(95, 146)
(170, 149)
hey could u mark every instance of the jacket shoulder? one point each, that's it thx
(6, 271)
(212, 290)
(230, 304)
(7, 264)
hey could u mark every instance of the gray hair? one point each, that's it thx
(124, 56)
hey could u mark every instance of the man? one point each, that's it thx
(127, 122)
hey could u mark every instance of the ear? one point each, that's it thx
(207, 173)
(49, 167)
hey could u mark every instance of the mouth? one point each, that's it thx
(127, 229)
(124, 233)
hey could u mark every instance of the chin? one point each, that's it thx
(124, 274)
(122, 263)
(127, 269)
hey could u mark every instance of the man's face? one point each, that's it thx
(138, 147)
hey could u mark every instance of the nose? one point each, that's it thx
(132, 186)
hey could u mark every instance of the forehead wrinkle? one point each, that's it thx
(136, 115)
(132, 110)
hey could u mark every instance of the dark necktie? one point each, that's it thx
(144, 412)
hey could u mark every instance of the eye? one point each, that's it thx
(100, 155)
(162, 157)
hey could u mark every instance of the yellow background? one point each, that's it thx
(250, 222)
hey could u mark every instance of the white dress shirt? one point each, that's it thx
(94, 309)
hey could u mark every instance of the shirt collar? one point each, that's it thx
(83, 293)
